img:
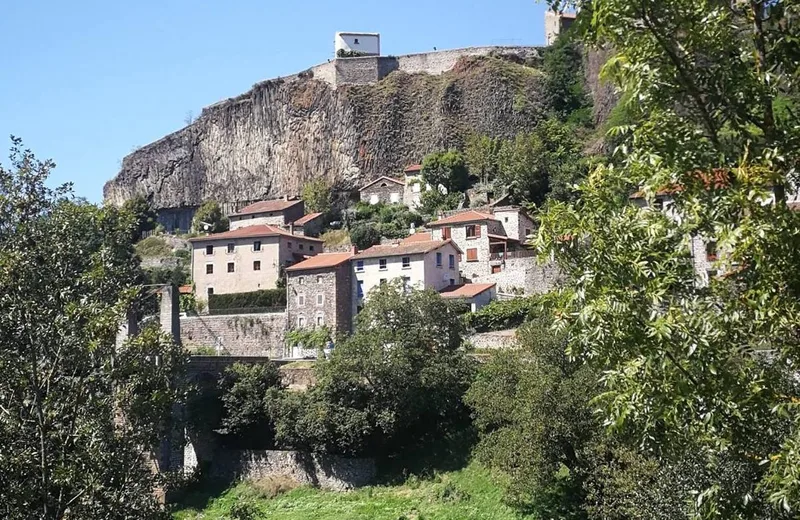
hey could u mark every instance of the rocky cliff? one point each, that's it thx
(272, 139)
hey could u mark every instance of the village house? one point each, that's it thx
(319, 292)
(429, 264)
(278, 212)
(246, 259)
(483, 238)
(476, 295)
(383, 189)
(309, 225)
(414, 186)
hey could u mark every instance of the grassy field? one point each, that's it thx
(471, 493)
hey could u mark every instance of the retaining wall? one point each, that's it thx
(526, 274)
(326, 472)
(237, 335)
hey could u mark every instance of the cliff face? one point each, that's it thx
(282, 133)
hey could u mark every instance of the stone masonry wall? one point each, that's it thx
(526, 274)
(237, 335)
(326, 472)
(333, 284)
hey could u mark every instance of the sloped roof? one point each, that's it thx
(414, 168)
(717, 179)
(469, 290)
(422, 236)
(382, 178)
(502, 237)
(267, 206)
(185, 289)
(463, 217)
(305, 219)
(260, 230)
(321, 261)
(412, 248)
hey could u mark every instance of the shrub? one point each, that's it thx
(153, 246)
(210, 213)
(503, 314)
(247, 391)
(275, 485)
(269, 298)
(365, 236)
(335, 237)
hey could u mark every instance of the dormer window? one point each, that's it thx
(355, 42)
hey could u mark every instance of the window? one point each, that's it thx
(505, 219)
(355, 42)
(257, 245)
(320, 300)
(438, 259)
(209, 268)
(289, 244)
(301, 280)
(301, 300)
(473, 231)
(300, 246)
(231, 267)
(711, 252)
(496, 269)
(446, 233)
(415, 187)
(209, 250)
(320, 321)
(527, 232)
(452, 281)
(311, 248)
(374, 199)
(301, 322)
(472, 254)
(406, 262)
(394, 197)
(360, 266)
(256, 265)
(319, 278)
(361, 288)
(231, 247)
(383, 281)
(382, 264)
(383, 185)
(210, 291)
(452, 261)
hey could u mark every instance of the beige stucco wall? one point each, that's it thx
(275, 252)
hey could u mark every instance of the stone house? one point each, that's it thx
(309, 225)
(383, 189)
(430, 264)
(414, 186)
(517, 224)
(246, 259)
(319, 292)
(482, 238)
(278, 212)
(477, 295)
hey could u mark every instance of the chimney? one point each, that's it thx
(354, 249)
(291, 228)
(286, 197)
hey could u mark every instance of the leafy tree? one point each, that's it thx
(146, 217)
(565, 83)
(685, 361)
(481, 155)
(432, 202)
(317, 196)
(78, 413)
(392, 387)
(364, 236)
(246, 393)
(210, 213)
(447, 169)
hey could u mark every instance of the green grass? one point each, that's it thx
(300, 364)
(471, 493)
(336, 237)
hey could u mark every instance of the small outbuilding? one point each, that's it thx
(476, 294)
(383, 189)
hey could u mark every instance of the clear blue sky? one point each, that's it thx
(85, 82)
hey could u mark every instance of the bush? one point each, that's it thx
(152, 247)
(210, 213)
(247, 394)
(365, 236)
(504, 314)
(269, 298)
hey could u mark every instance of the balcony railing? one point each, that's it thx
(522, 253)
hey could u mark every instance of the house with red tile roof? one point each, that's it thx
(277, 212)
(319, 292)
(246, 259)
(477, 295)
(309, 225)
(430, 264)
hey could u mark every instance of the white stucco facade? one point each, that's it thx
(367, 44)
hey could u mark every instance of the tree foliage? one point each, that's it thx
(446, 169)
(247, 393)
(364, 236)
(685, 364)
(209, 218)
(77, 414)
(145, 216)
(317, 196)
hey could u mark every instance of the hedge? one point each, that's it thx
(504, 314)
(255, 300)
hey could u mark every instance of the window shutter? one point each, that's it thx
(472, 254)
(446, 232)
(477, 230)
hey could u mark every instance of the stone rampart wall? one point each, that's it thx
(326, 472)
(237, 335)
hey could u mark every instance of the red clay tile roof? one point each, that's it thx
(422, 236)
(717, 179)
(185, 289)
(261, 230)
(382, 178)
(469, 290)
(463, 217)
(267, 206)
(413, 248)
(322, 260)
(414, 168)
(306, 219)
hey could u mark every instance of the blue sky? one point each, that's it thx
(85, 82)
